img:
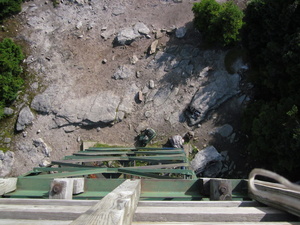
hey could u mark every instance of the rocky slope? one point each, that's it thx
(105, 70)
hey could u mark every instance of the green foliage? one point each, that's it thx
(272, 37)
(218, 22)
(10, 70)
(9, 7)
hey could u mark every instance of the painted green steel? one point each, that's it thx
(133, 148)
(77, 159)
(64, 163)
(58, 169)
(130, 171)
(93, 153)
(165, 168)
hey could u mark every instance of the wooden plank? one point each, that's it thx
(216, 223)
(7, 185)
(33, 222)
(41, 212)
(61, 189)
(220, 189)
(115, 208)
(200, 204)
(210, 214)
(60, 202)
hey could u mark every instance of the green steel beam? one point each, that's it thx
(123, 148)
(93, 153)
(109, 149)
(142, 174)
(64, 163)
(175, 171)
(76, 159)
(59, 169)
(73, 173)
(160, 166)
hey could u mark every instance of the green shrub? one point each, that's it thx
(272, 122)
(218, 22)
(9, 7)
(10, 70)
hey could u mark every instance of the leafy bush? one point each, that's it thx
(10, 70)
(218, 22)
(9, 7)
(272, 37)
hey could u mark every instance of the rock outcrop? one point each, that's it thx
(25, 118)
(129, 34)
(6, 163)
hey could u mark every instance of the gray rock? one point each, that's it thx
(176, 141)
(158, 34)
(126, 36)
(134, 59)
(7, 140)
(231, 138)
(211, 96)
(141, 28)
(180, 32)
(78, 25)
(204, 157)
(42, 147)
(6, 163)
(25, 118)
(41, 103)
(34, 86)
(124, 72)
(153, 46)
(107, 34)
(8, 111)
(69, 129)
(45, 163)
(96, 108)
(118, 10)
(213, 169)
(151, 84)
(225, 130)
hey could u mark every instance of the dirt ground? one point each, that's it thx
(47, 30)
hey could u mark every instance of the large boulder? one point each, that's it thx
(126, 36)
(6, 162)
(225, 130)
(25, 118)
(204, 158)
(222, 87)
(96, 108)
(41, 103)
(129, 34)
